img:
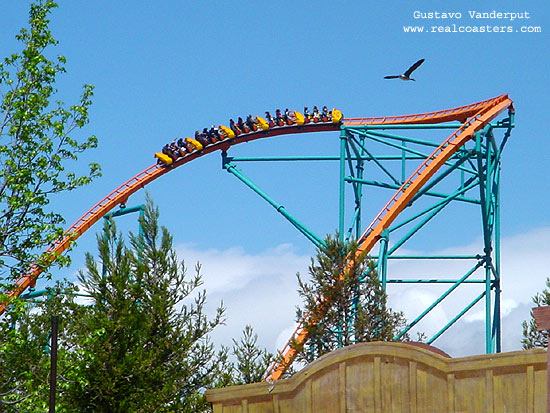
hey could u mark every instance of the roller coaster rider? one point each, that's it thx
(316, 115)
(181, 147)
(233, 127)
(279, 120)
(203, 137)
(166, 150)
(174, 146)
(185, 145)
(291, 117)
(251, 122)
(171, 149)
(240, 124)
(269, 119)
(214, 134)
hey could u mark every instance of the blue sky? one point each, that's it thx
(164, 69)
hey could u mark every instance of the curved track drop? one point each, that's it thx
(473, 118)
(120, 195)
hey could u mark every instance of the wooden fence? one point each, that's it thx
(397, 377)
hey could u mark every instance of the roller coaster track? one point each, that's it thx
(478, 115)
(460, 114)
(473, 117)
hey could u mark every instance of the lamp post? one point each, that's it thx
(53, 363)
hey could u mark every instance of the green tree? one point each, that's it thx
(532, 338)
(24, 349)
(251, 362)
(346, 300)
(142, 345)
(21, 358)
(37, 143)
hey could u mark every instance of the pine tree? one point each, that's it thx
(140, 344)
(346, 301)
(532, 338)
(251, 361)
(143, 344)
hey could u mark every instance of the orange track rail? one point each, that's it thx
(481, 113)
(460, 114)
(121, 194)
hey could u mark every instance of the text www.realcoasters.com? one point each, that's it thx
(492, 21)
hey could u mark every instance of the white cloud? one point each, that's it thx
(413, 301)
(233, 269)
(284, 336)
(260, 290)
(506, 307)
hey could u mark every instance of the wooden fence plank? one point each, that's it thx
(390, 377)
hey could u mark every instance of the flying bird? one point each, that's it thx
(407, 74)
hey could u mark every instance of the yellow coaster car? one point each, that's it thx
(165, 159)
(300, 120)
(196, 144)
(336, 116)
(227, 132)
(262, 122)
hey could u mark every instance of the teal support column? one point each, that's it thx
(488, 325)
(455, 319)
(45, 293)
(382, 267)
(356, 172)
(393, 186)
(342, 197)
(476, 164)
(497, 330)
(409, 150)
(484, 188)
(229, 167)
(488, 250)
(433, 211)
(141, 216)
(496, 312)
(125, 211)
(495, 283)
(34, 294)
(403, 161)
(360, 168)
(488, 165)
(436, 302)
